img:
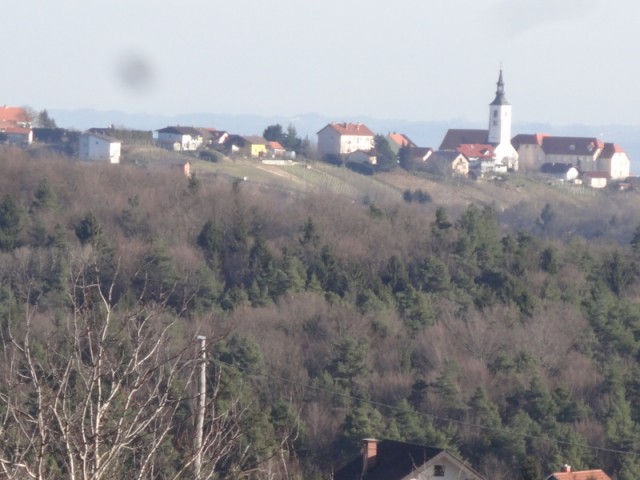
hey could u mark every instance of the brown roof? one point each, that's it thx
(254, 140)
(13, 114)
(456, 137)
(351, 129)
(528, 139)
(610, 149)
(275, 146)
(580, 475)
(571, 145)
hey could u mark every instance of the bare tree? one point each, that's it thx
(106, 391)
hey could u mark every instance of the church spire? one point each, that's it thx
(500, 98)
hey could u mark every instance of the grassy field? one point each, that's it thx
(318, 177)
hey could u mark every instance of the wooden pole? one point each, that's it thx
(202, 394)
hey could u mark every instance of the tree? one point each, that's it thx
(10, 223)
(43, 120)
(106, 393)
(387, 160)
(274, 133)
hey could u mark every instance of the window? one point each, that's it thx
(495, 113)
(438, 470)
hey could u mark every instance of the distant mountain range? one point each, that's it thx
(423, 133)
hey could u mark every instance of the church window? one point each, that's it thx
(495, 113)
(438, 470)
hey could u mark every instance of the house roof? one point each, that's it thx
(456, 137)
(445, 156)
(254, 139)
(401, 139)
(394, 461)
(275, 146)
(610, 149)
(571, 145)
(528, 139)
(556, 168)
(13, 115)
(354, 129)
(420, 152)
(580, 475)
(178, 130)
(101, 136)
(476, 150)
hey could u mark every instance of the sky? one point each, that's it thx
(564, 61)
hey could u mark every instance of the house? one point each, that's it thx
(343, 138)
(497, 136)
(391, 460)
(614, 160)
(253, 146)
(420, 154)
(580, 151)
(562, 171)
(567, 473)
(399, 140)
(531, 156)
(179, 138)
(15, 124)
(444, 162)
(275, 150)
(362, 156)
(595, 179)
(95, 147)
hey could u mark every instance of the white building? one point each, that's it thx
(344, 138)
(179, 138)
(95, 147)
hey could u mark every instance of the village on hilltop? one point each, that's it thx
(474, 153)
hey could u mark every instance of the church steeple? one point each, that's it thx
(500, 98)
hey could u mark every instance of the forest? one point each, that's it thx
(502, 335)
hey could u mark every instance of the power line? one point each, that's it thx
(439, 418)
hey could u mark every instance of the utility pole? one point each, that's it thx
(201, 405)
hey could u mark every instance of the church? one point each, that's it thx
(495, 150)
(492, 145)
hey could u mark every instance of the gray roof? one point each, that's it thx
(459, 136)
(177, 130)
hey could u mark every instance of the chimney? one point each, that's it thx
(566, 468)
(369, 454)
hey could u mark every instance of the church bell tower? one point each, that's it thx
(500, 127)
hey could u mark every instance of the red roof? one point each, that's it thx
(476, 150)
(581, 475)
(358, 129)
(275, 146)
(13, 115)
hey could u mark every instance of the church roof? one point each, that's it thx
(500, 98)
(571, 145)
(456, 137)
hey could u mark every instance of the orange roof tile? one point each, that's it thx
(13, 114)
(581, 475)
(401, 139)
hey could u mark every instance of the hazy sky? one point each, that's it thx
(565, 61)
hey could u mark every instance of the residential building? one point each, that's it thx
(362, 156)
(392, 460)
(443, 162)
(179, 138)
(561, 171)
(399, 140)
(95, 147)
(595, 179)
(253, 146)
(15, 124)
(344, 138)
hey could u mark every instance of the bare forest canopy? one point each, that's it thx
(505, 332)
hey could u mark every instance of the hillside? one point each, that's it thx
(498, 320)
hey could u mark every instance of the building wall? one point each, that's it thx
(328, 142)
(95, 149)
(530, 157)
(618, 166)
(499, 124)
(351, 143)
(584, 163)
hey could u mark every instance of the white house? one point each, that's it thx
(179, 138)
(344, 138)
(95, 147)
(614, 161)
(362, 156)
